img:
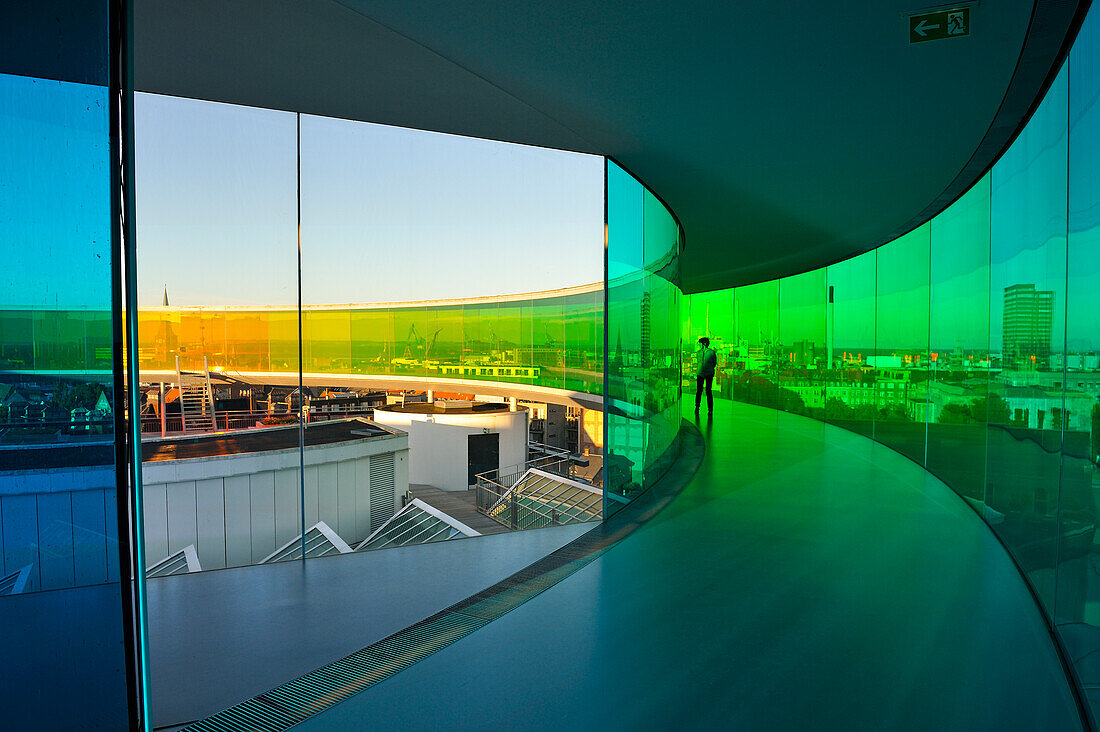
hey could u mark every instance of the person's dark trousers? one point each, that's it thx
(699, 382)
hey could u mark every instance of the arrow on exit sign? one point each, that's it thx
(940, 24)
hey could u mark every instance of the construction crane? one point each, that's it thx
(414, 339)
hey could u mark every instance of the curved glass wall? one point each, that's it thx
(545, 339)
(642, 406)
(971, 345)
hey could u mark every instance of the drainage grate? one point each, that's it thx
(294, 702)
(285, 706)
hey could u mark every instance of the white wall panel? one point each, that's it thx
(155, 497)
(288, 507)
(261, 487)
(210, 523)
(327, 506)
(238, 542)
(362, 497)
(90, 538)
(241, 517)
(20, 517)
(182, 522)
(311, 498)
(345, 502)
(55, 537)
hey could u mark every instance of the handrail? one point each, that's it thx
(229, 419)
(499, 498)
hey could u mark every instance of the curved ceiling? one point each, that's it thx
(784, 136)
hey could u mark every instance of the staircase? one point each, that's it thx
(541, 499)
(196, 399)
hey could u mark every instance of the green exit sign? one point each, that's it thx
(933, 26)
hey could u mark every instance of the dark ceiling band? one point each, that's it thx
(1054, 23)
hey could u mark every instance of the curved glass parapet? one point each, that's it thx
(551, 339)
(970, 345)
(643, 338)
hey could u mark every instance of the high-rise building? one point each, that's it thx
(1027, 324)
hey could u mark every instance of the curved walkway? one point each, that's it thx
(806, 578)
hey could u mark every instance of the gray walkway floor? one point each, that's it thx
(807, 578)
(217, 638)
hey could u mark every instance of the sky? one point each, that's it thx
(388, 214)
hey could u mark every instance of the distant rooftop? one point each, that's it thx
(445, 407)
(272, 438)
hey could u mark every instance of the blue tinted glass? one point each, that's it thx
(58, 511)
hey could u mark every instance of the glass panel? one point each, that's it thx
(802, 301)
(469, 217)
(479, 339)
(582, 320)
(710, 315)
(452, 338)
(58, 385)
(850, 339)
(372, 341)
(219, 335)
(900, 362)
(549, 341)
(282, 335)
(64, 655)
(479, 226)
(326, 338)
(247, 339)
(514, 338)
(409, 328)
(625, 429)
(957, 391)
(756, 324)
(660, 338)
(644, 370)
(1078, 598)
(1027, 289)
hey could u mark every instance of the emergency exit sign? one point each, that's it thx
(939, 24)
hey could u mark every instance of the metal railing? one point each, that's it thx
(51, 429)
(499, 499)
(173, 424)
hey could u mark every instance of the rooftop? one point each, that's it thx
(274, 438)
(445, 407)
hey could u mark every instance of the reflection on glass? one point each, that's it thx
(1078, 599)
(1027, 281)
(971, 345)
(57, 503)
(644, 350)
(218, 302)
(957, 393)
(850, 330)
(754, 364)
(61, 593)
(801, 351)
(900, 358)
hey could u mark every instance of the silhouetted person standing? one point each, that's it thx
(704, 374)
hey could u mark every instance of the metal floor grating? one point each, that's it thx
(285, 706)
